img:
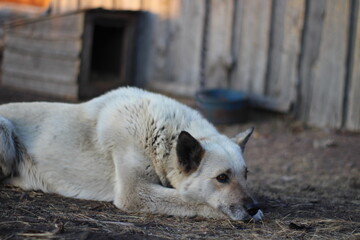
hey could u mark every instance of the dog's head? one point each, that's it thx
(216, 174)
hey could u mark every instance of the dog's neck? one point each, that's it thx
(165, 163)
(161, 150)
(174, 175)
(160, 147)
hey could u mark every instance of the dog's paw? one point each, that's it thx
(258, 216)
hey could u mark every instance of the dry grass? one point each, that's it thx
(46, 216)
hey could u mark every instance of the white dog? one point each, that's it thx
(143, 151)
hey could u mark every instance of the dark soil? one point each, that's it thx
(307, 179)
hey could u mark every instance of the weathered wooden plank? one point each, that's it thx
(30, 84)
(252, 28)
(285, 47)
(41, 67)
(68, 26)
(353, 108)
(159, 40)
(183, 60)
(64, 6)
(41, 76)
(158, 7)
(44, 47)
(178, 54)
(326, 77)
(55, 6)
(107, 4)
(127, 4)
(219, 58)
(310, 52)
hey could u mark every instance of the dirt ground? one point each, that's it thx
(308, 181)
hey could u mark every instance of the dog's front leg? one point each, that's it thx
(136, 191)
(153, 198)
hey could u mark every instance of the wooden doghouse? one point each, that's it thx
(78, 55)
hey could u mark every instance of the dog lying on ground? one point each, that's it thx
(143, 151)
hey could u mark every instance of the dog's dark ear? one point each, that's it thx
(189, 152)
(243, 137)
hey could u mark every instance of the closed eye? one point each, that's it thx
(246, 173)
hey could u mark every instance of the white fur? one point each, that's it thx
(120, 147)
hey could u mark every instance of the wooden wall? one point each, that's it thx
(44, 55)
(323, 63)
(303, 55)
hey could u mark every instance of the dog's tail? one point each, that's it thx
(9, 149)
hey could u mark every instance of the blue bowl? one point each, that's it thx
(223, 106)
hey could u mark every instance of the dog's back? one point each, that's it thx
(66, 148)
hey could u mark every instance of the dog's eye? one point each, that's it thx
(222, 178)
(246, 173)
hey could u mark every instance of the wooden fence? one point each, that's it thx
(303, 54)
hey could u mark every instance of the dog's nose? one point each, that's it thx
(251, 207)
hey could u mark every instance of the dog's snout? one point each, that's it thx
(251, 207)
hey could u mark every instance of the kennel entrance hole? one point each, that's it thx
(106, 59)
(114, 51)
